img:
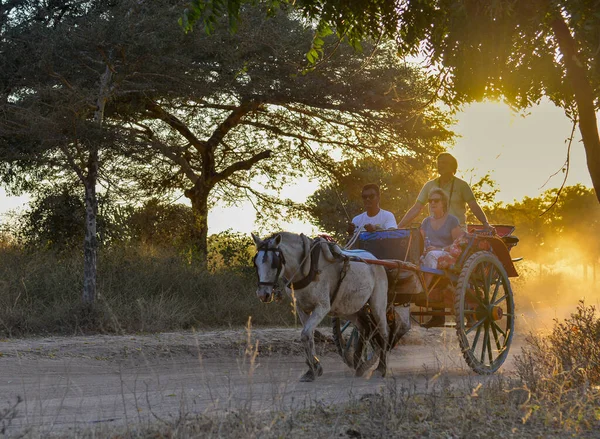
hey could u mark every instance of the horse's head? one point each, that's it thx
(269, 262)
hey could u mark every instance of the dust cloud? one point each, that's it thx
(552, 282)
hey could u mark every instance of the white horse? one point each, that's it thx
(323, 285)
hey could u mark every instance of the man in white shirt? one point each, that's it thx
(374, 218)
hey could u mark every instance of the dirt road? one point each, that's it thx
(73, 383)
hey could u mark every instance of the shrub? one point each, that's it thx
(562, 370)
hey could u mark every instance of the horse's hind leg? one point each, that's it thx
(378, 304)
(308, 340)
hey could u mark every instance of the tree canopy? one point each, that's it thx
(218, 118)
(516, 50)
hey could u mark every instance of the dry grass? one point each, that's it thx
(562, 371)
(401, 410)
(139, 289)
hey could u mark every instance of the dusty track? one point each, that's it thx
(72, 383)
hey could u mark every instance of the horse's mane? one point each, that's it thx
(283, 235)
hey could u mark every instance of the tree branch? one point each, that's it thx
(156, 111)
(71, 161)
(241, 166)
(280, 132)
(178, 160)
(232, 120)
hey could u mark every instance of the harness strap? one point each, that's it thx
(315, 255)
(451, 189)
(279, 264)
(342, 276)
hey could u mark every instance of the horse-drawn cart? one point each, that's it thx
(475, 290)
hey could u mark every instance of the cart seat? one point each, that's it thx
(358, 254)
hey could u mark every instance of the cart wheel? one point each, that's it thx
(350, 344)
(484, 310)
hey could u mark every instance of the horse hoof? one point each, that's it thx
(308, 377)
(358, 373)
(319, 370)
(382, 372)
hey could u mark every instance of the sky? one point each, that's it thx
(520, 151)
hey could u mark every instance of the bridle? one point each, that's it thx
(277, 262)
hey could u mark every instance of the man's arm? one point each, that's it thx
(478, 212)
(412, 213)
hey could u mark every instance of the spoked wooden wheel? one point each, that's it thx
(484, 308)
(351, 345)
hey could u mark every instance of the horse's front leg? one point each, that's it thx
(301, 315)
(308, 340)
(319, 337)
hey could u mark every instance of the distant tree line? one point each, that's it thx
(568, 230)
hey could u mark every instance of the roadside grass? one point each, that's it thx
(562, 371)
(139, 290)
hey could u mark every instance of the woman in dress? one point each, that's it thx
(439, 230)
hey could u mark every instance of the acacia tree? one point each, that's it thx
(517, 50)
(241, 109)
(51, 127)
(209, 116)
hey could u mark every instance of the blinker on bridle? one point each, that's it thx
(277, 262)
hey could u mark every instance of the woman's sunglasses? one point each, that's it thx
(435, 200)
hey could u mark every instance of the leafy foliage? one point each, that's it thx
(230, 250)
(54, 220)
(518, 51)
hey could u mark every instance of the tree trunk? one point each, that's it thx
(584, 98)
(199, 238)
(90, 245)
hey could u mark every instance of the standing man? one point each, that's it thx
(374, 218)
(459, 191)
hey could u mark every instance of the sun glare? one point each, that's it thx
(520, 151)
